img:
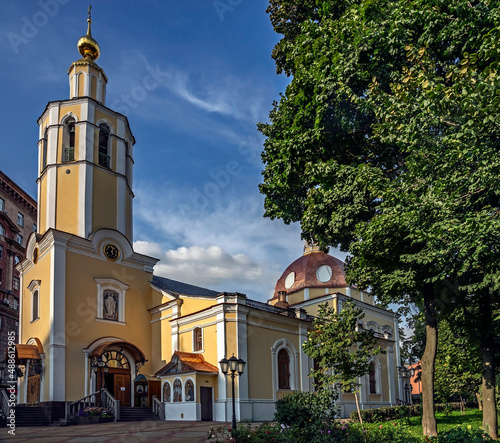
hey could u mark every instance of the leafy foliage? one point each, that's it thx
(342, 352)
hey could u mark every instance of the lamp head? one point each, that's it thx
(224, 365)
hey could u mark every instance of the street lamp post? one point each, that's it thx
(232, 366)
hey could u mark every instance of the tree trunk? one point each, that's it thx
(490, 420)
(357, 406)
(479, 401)
(429, 426)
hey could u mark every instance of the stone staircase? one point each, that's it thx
(31, 416)
(128, 413)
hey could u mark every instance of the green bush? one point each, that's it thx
(384, 414)
(461, 435)
(300, 409)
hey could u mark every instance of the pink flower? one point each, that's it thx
(380, 426)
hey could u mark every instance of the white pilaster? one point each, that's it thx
(57, 336)
(305, 381)
(391, 375)
(121, 203)
(220, 413)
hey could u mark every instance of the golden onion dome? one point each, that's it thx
(87, 46)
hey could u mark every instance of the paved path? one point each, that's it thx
(126, 432)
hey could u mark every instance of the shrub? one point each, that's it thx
(95, 411)
(461, 435)
(300, 409)
(384, 414)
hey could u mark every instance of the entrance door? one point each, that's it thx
(206, 403)
(33, 397)
(122, 388)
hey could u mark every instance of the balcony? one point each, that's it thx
(68, 154)
(104, 160)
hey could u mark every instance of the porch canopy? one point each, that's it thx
(24, 353)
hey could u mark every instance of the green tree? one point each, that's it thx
(341, 158)
(341, 351)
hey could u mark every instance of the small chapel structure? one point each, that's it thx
(94, 314)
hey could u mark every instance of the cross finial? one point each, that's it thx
(90, 8)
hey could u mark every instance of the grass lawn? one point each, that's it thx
(472, 417)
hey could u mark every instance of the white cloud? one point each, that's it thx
(226, 245)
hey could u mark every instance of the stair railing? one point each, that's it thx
(158, 408)
(4, 402)
(110, 402)
(100, 398)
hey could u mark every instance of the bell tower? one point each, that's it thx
(85, 155)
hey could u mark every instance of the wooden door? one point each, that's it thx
(122, 388)
(33, 397)
(206, 403)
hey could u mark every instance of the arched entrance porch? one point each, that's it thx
(113, 363)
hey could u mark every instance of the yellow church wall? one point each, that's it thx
(82, 328)
(259, 363)
(206, 380)
(104, 200)
(81, 84)
(66, 109)
(295, 297)
(67, 199)
(39, 328)
(93, 87)
(210, 344)
(192, 305)
(100, 114)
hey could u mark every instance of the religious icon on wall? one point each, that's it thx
(110, 305)
(177, 390)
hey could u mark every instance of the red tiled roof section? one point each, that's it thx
(305, 273)
(196, 362)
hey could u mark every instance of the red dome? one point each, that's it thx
(313, 270)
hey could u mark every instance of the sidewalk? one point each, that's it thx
(126, 432)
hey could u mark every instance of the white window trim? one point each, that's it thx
(115, 285)
(33, 287)
(202, 340)
(378, 378)
(294, 364)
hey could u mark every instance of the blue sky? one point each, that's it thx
(197, 153)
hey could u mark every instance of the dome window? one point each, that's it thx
(290, 280)
(324, 273)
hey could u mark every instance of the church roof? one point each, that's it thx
(179, 288)
(186, 362)
(314, 269)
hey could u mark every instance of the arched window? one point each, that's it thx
(69, 140)
(371, 375)
(103, 145)
(177, 390)
(45, 144)
(197, 340)
(166, 392)
(189, 391)
(115, 359)
(34, 305)
(283, 369)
